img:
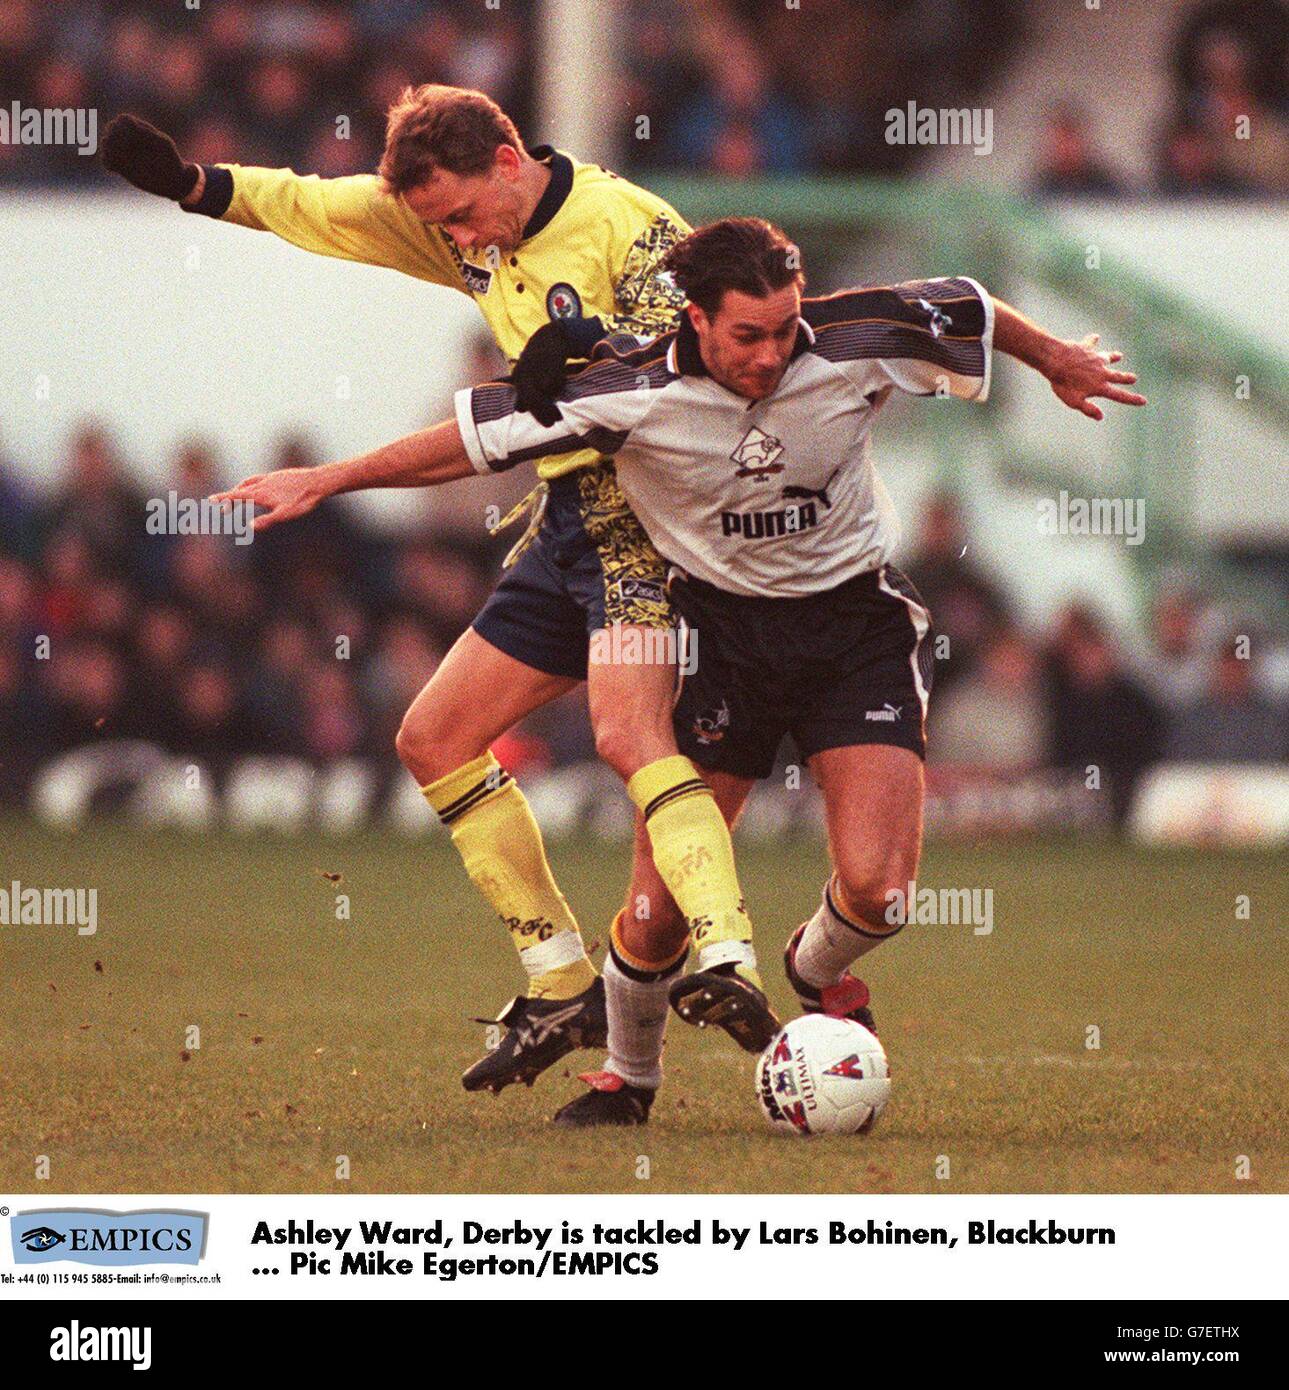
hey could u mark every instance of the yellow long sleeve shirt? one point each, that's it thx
(591, 248)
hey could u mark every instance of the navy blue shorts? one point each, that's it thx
(590, 566)
(847, 666)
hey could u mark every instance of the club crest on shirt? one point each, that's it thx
(757, 454)
(563, 302)
(477, 279)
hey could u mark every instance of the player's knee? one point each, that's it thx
(423, 754)
(871, 887)
(618, 745)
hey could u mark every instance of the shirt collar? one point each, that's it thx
(557, 190)
(685, 359)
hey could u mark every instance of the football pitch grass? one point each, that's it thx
(322, 1037)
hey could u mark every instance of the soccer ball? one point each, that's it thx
(823, 1075)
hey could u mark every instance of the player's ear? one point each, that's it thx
(698, 320)
(506, 160)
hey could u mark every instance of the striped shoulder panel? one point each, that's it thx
(904, 303)
(848, 306)
(943, 326)
(491, 401)
(642, 367)
(620, 344)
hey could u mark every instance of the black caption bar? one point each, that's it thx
(289, 1337)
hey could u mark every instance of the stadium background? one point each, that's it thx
(1096, 697)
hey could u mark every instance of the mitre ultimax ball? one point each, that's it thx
(823, 1075)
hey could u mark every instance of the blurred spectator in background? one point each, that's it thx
(162, 643)
(18, 625)
(404, 659)
(84, 688)
(994, 716)
(1068, 166)
(739, 124)
(97, 502)
(1230, 722)
(1260, 27)
(1099, 717)
(1191, 165)
(964, 604)
(1233, 66)
(334, 723)
(19, 734)
(1230, 131)
(212, 726)
(18, 516)
(739, 87)
(1172, 662)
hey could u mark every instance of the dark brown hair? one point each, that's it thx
(736, 253)
(434, 127)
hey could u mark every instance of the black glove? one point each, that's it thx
(541, 371)
(147, 157)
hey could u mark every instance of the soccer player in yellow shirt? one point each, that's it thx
(555, 253)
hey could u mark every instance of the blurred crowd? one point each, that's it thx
(312, 641)
(1194, 686)
(734, 86)
(739, 87)
(309, 643)
(304, 83)
(1227, 132)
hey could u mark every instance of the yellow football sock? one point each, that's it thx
(499, 841)
(695, 858)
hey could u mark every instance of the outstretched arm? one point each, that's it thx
(425, 459)
(1077, 371)
(349, 218)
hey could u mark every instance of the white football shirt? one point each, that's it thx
(777, 497)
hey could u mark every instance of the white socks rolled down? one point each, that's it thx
(831, 943)
(637, 1007)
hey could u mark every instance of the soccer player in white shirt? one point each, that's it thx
(742, 444)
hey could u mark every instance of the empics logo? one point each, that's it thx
(108, 1237)
(40, 1239)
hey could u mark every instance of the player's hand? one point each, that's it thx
(147, 157)
(1081, 371)
(540, 373)
(287, 493)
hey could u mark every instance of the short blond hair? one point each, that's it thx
(435, 127)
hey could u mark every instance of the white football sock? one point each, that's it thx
(725, 953)
(831, 943)
(637, 1012)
